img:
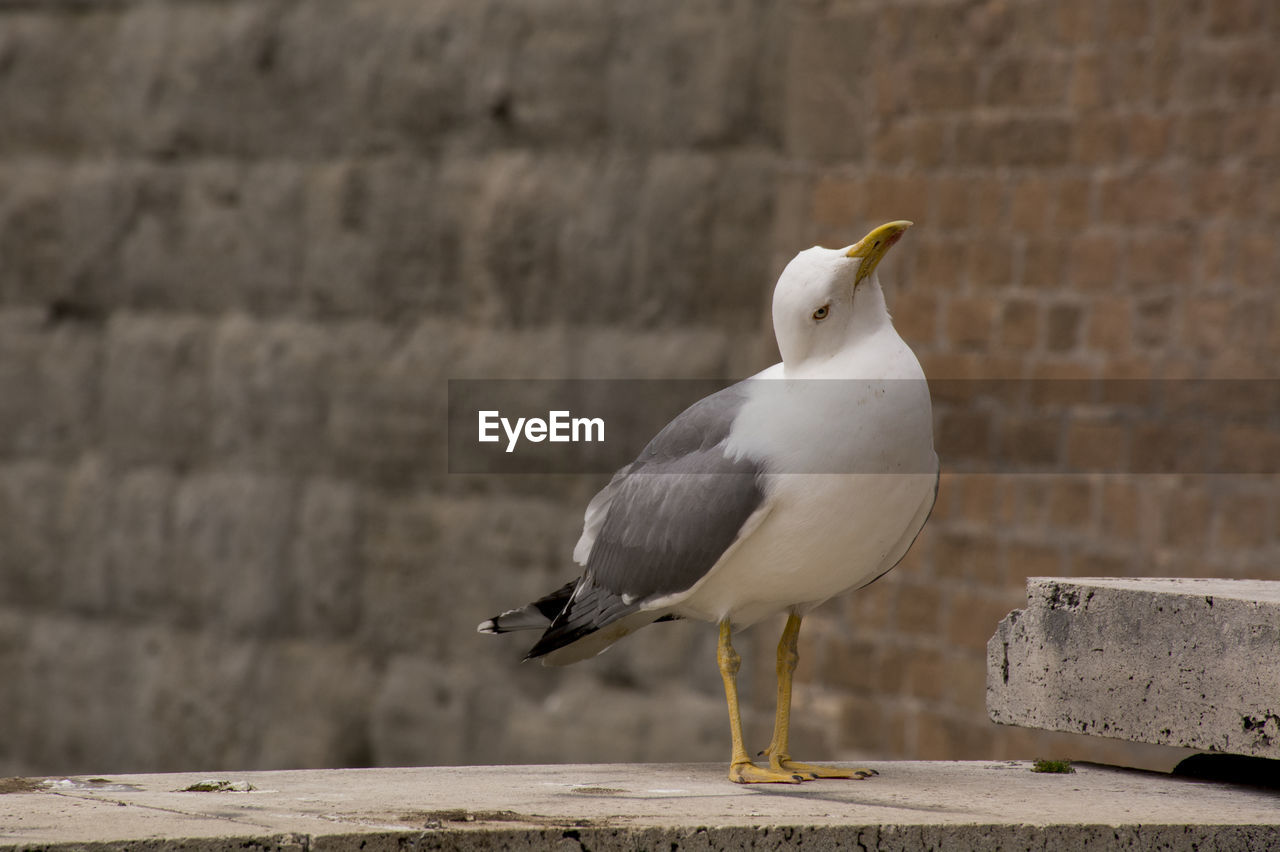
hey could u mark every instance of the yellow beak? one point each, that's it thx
(873, 247)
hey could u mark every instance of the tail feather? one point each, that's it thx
(591, 609)
(535, 616)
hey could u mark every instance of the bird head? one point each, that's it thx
(827, 298)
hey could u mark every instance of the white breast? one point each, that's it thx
(852, 478)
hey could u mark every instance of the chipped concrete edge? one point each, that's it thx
(885, 838)
(1167, 661)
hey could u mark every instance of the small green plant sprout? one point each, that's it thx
(1060, 767)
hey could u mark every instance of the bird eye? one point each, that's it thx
(821, 313)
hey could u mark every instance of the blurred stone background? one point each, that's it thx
(244, 244)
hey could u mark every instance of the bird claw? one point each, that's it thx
(816, 771)
(749, 773)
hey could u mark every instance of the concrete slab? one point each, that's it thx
(960, 806)
(1179, 662)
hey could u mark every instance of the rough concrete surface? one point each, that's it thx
(1180, 662)
(910, 805)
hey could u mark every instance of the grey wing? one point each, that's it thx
(593, 518)
(671, 514)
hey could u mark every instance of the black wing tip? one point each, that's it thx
(545, 608)
(556, 638)
(553, 603)
(513, 620)
(494, 627)
(562, 637)
(588, 609)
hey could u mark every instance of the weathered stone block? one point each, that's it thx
(1155, 198)
(60, 229)
(618, 727)
(937, 29)
(422, 70)
(231, 535)
(138, 543)
(268, 392)
(944, 85)
(562, 47)
(325, 568)
(216, 236)
(1028, 82)
(56, 90)
(1179, 662)
(595, 242)
(30, 564)
(338, 256)
(421, 552)
(421, 711)
(86, 581)
(155, 405)
(519, 216)
(828, 95)
(49, 376)
(625, 240)
(205, 698)
(31, 234)
(692, 74)
(286, 93)
(1022, 141)
(676, 209)
(382, 238)
(685, 354)
(388, 392)
(417, 223)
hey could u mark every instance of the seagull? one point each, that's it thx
(809, 479)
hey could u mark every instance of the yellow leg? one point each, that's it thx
(741, 769)
(779, 750)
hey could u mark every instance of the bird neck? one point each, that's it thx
(870, 313)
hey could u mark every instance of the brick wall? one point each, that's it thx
(243, 244)
(1097, 193)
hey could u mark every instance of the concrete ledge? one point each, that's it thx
(1179, 662)
(957, 806)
